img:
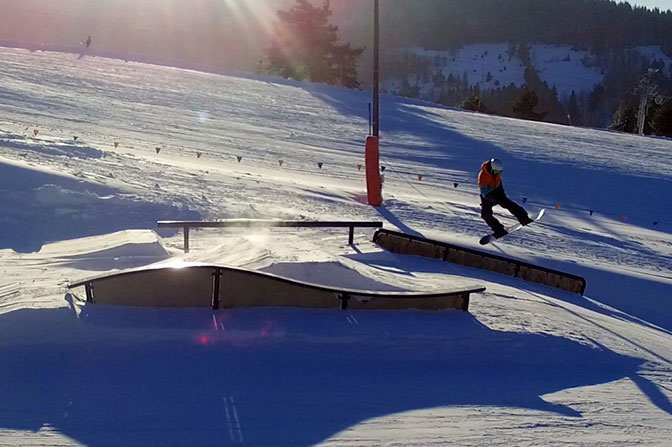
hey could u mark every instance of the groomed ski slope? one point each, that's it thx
(529, 365)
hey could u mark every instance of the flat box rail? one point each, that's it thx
(264, 223)
(406, 244)
(221, 287)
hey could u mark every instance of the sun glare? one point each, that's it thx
(262, 12)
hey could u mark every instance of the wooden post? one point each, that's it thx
(217, 277)
(186, 239)
(89, 292)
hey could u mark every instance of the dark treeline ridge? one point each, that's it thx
(596, 25)
(608, 30)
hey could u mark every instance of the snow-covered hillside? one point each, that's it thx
(94, 151)
(566, 68)
(498, 65)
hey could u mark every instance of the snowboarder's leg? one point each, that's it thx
(486, 213)
(515, 209)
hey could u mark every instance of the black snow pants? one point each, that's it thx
(498, 197)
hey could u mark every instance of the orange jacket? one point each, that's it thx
(487, 181)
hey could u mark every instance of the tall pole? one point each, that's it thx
(647, 90)
(376, 30)
(374, 181)
(641, 112)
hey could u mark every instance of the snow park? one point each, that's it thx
(193, 259)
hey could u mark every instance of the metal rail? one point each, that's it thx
(264, 223)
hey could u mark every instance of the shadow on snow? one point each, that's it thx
(122, 376)
(39, 207)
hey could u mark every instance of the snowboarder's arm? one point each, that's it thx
(485, 190)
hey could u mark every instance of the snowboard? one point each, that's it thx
(515, 227)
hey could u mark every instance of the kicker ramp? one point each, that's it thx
(200, 285)
(412, 245)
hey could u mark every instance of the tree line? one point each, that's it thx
(305, 46)
(415, 75)
(598, 25)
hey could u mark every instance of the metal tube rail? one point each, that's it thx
(264, 223)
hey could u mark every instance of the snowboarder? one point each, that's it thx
(492, 193)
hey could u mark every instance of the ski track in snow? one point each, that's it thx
(529, 365)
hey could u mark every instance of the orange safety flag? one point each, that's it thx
(35, 132)
(622, 218)
(198, 154)
(359, 167)
(116, 144)
(557, 207)
(419, 176)
(280, 162)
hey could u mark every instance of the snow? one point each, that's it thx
(498, 65)
(565, 68)
(654, 52)
(528, 365)
(480, 59)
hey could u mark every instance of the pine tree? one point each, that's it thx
(524, 106)
(625, 119)
(662, 120)
(573, 111)
(304, 47)
(475, 103)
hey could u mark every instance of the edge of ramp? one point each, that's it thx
(204, 285)
(406, 244)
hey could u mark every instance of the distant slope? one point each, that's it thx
(528, 365)
(275, 148)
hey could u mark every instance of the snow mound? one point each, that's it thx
(59, 197)
(119, 250)
(120, 243)
(38, 206)
(249, 251)
(333, 274)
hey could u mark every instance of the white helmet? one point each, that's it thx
(496, 165)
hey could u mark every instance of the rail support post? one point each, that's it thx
(217, 279)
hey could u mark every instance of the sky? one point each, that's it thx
(660, 4)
